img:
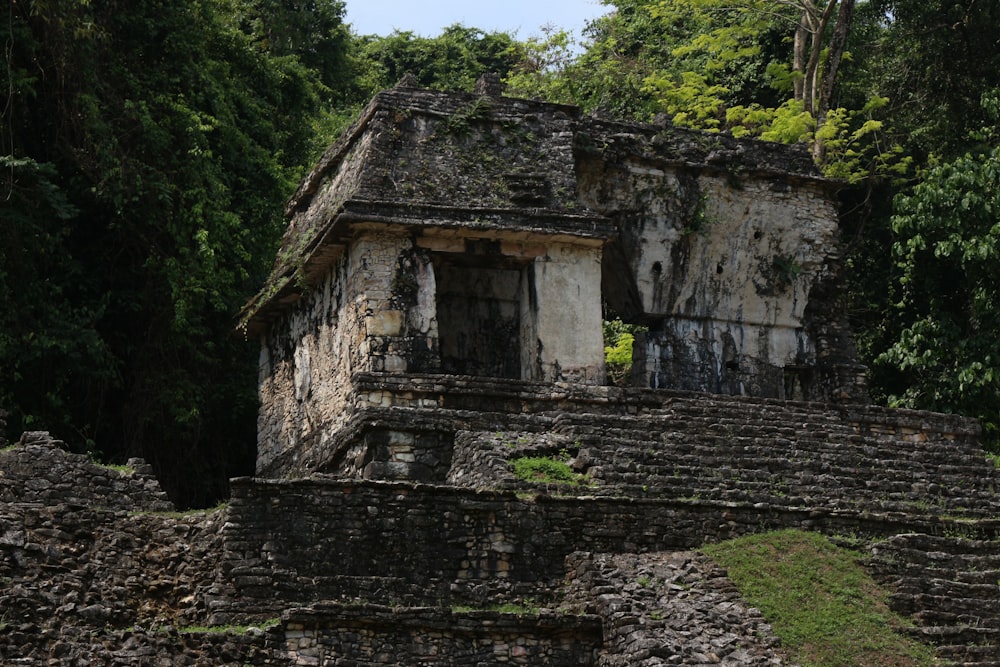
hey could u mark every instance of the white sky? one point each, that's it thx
(428, 17)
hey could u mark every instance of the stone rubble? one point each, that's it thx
(669, 608)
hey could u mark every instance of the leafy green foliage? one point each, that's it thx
(543, 70)
(453, 60)
(823, 606)
(932, 60)
(948, 255)
(45, 330)
(625, 47)
(620, 354)
(619, 338)
(154, 146)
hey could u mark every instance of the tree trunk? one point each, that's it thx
(817, 28)
(799, 57)
(835, 53)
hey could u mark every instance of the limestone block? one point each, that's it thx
(384, 323)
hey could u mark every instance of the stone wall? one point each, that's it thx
(96, 646)
(377, 311)
(482, 236)
(422, 544)
(89, 555)
(434, 428)
(343, 572)
(377, 635)
(720, 265)
(39, 470)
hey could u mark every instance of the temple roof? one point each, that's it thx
(482, 166)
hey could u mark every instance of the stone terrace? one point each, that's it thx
(380, 572)
(782, 454)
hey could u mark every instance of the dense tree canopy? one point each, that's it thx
(147, 148)
(946, 356)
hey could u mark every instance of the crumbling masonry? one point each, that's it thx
(433, 317)
(466, 235)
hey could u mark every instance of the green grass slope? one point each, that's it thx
(827, 611)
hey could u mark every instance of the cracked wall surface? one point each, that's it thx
(477, 235)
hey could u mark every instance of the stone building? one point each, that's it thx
(435, 316)
(451, 235)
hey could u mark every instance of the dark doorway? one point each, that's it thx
(479, 315)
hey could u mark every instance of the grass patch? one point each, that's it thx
(229, 629)
(822, 604)
(506, 608)
(546, 470)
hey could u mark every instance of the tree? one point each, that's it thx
(730, 32)
(453, 60)
(946, 355)
(149, 148)
(311, 30)
(932, 60)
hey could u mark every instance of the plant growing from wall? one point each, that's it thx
(786, 270)
(459, 122)
(546, 470)
(619, 338)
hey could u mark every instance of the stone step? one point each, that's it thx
(957, 637)
(370, 634)
(971, 655)
(932, 611)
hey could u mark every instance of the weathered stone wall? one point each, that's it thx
(84, 584)
(377, 635)
(420, 544)
(720, 260)
(656, 443)
(368, 314)
(65, 562)
(517, 220)
(38, 470)
(88, 554)
(377, 311)
(100, 646)
(303, 372)
(566, 299)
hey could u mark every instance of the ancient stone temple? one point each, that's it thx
(433, 325)
(472, 235)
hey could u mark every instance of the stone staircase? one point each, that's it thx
(781, 454)
(380, 572)
(951, 586)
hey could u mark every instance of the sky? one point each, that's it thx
(428, 17)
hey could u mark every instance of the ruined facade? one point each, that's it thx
(467, 235)
(435, 317)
